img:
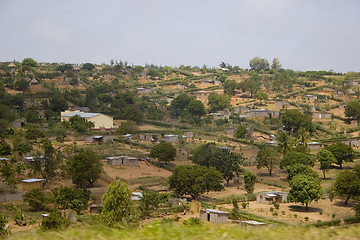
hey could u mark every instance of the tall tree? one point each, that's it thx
(164, 152)
(326, 159)
(218, 101)
(249, 180)
(267, 157)
(85, 168)
(293, 120)
(341, 152)
(195, 180)
(293, 158)
(347, 185)
(179, 104)
(230, 87)
(276, 64)
(258, 64)
(352, 109)
(305, 189)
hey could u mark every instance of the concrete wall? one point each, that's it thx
(10, 197)
(131, 162)
(102, 121)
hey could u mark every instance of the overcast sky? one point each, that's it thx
(303, 34)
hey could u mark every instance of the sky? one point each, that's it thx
(303, 34)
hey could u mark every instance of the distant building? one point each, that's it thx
(351, 83)
(281, 104)
(230, 131)
(214, 216)
(170, 138)
(271, 197)
(123, 160)
(351, 142)
(273, 143)
(259, 112)
(32, 183)
(314, 146)
(98, 139)
(146, 137)
(321, 115)
(100, 120)
(310, 97)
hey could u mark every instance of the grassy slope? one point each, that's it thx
(176, 231)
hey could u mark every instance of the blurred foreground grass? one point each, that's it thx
(205, 231)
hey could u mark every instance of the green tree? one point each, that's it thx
(285, 143)
(249, 181)
(71, 198)
(54, 221)
(251, 84)
(293, 120)
(352, 109)
(267, 157)
(196, 108)
(276, 64)
(33, 132)
(133, 113)
(223, 160)
(58, 102)
(305, 189)
(299, 168)
(50, 163)
(85, 168)
(241, 131)
(22, 85)
(36, 199)
(149, 202)
(5, 149)
(164, 152)
(262, 96)
(29, 62)
(8, 174)
(80, 124)
(88, 66)
(195, 180)
(218, 101)
(118, 210)
(257, 64)
(347, 185)
(341, 152)
(293, 158)
(229, 87)
(128, 127)
(179, 104)
(326, 159)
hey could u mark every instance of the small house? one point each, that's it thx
(321, 115)
(272, 143)
(314, 146)
(274, 114)
(339, 93)
(351, 142)
(282, 104)
(131, 161)
(128, 136)
(32, 183)
(214, 216)
(4, 159)
(18, 123)
(310, 97)
(217, 116)
(230, 131)
(271, 197)
(98, 139)
(351, 83)
(148, 137)
(115, 161)
(170, 138)
(201, 93)
(34, 82)
(189, 134)
(142, 90)
(259, 112)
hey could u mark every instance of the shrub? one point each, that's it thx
(283, 212)
(321, 212)
(276, 205)
(54, 221)
(244, 205)
(336, 222)
(72, 198)
(333, 215)
(351, 220)
(20, 218)
(306, 218)
(36, 199)
(192, 221)
(4, 230)
(275, 213)
(271, 209)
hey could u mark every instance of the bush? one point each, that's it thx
(306, 218)
(276, 205)
(4, 230)
(36, 199)
(192, 221)
(351, 220)
(20, 218)
(271, 209)
(244, 205)
(54, 221)
(72, 198)
(336, 222)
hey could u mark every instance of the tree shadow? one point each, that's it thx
(341, 203)
(296, 208)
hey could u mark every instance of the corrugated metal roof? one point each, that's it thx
(81, 114)
(30, 180)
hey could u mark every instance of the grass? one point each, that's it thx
(159, 230)
(148, 181)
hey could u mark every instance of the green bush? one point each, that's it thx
(335, 222)
(71, 198)
(351, 220)
(36, 199)
(271, 209)
(276, 205)
(54, 221)
(192, 221)
(4, 230)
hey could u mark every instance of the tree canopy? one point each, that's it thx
(195, 180)
(267, 157)
(218, 101)
(341, 152)
(352, 109)
(305, 189)
(258, 64)
(293, 120)
(347, 185)
(164, 152)
(294, 157)
(326, 159)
